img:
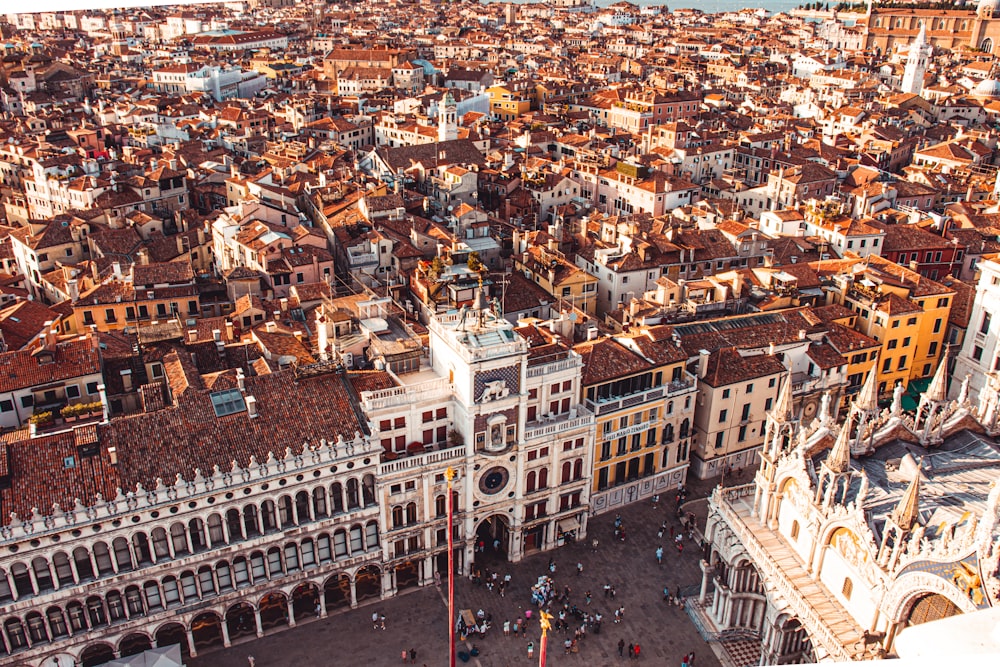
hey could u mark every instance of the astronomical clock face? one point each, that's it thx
(494, 480)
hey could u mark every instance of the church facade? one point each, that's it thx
(889, 27)
(851, 533)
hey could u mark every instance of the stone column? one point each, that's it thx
(322, 604)
(706, 572)
(190, 638)
(354, 595)
(291, 613)
(225, 634)
(258, 623)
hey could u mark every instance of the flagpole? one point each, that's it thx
(450, 475)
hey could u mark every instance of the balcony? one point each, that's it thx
(432, 390)
(424, 460)
(574, 419)
(830, 626)
(668, 390)
(554, 367)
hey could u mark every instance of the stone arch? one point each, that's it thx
(134, 644)
(305, 599)
(173, 633)
(206, 630)
(368, 582)
(987, 45)
(337, 591)
(273, 610)
(96, 654)
(240, 621)
(908, 587)
(57, 622)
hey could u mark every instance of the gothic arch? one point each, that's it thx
(986, 45)
(907, 588)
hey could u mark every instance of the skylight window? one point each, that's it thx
(228, 402)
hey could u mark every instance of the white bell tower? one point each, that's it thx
(448, 119)
(916, 63)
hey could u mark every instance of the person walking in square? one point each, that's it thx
(621, 648)
(631, 651)
(659, 555)
(413, 656)
(531, 650)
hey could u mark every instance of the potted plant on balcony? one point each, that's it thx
(70, 412)
(42, 419)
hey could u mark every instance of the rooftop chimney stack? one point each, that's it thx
(703, 356)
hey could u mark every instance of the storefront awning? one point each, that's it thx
(569, 525)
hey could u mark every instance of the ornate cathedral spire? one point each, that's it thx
(938, 388)
(867, 400)
(839, 459)
(907, 511)
(783, 408)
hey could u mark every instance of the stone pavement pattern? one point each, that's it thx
(418, 618)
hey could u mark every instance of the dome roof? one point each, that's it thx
(987, 88)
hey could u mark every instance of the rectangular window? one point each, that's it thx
(722, 415)
(718, 439)
(725, 393)
(887, 365)
(984, 328)
(6, 406)
(750, 388)
(902, 363)
(745, 415)
(937, 325)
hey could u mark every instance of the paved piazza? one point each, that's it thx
(417, 619)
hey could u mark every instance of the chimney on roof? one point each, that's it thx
(251, 407)
(270, 326)
(277, 315)
(143, 256)
(591, 333)
(216, 335)
(116, 270)
(241, 380)
(703, 356)
(73, 289)
(229, 331)
(802, 334)
(770, 350)
(284, 304)
(192, 335)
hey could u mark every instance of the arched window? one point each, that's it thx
(171, 591)
(160, 548)
(133, 601)
(95, 612)
(257, 569)
(250, 521)
(291, 557)
(530, 481)
(578, 469)
(268, 517)
(353, 495)
(189, 588)
(357, 540)
(411, 514)
(685, 426)
(206, 582)
(42, 574)
(319, 502)
(123, 556)
(152, 593)
(6, 594)
(77, 617)
(225, 576)
(543, 478)
(440, 506)
(216, 535)
(36, 628)
(196, 531)
(371, 535)
(140, 545)
(234, 524)
(340, 543)
(668, 433)
(178, 539)
(241, 572)
(337, 497)
(302, 507)
(308, 553)
(275, 567)
(368, 489)
(57, 622)
(116, 606)
(285, 515)
(84, 568)
(324, 548)
(103, 558)
(567, 472)
(15, 634)
(397, 516)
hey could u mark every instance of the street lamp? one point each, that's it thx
(450, 475)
